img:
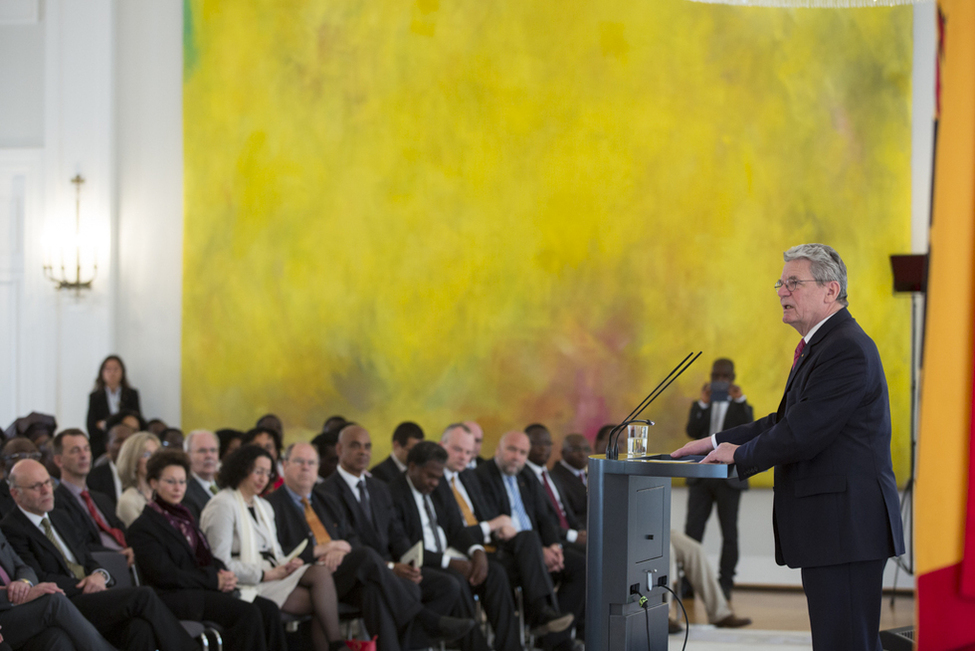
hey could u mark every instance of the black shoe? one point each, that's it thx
(673, 626)
(453, 628)
(548, 620)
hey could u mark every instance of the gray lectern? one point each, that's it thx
(628, 548)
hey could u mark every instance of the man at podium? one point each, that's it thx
(835, 513)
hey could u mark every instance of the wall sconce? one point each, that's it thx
(74, 253)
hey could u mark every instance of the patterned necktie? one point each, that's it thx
(517, 506)
(115, 533)
(795, 358)
(432, 517)
(213, 488)
(364, 500)
(563, 523)
(77, 570)
(315, 524)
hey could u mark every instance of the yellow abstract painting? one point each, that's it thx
(527, 211)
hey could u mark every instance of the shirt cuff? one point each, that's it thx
(702, 405)
(486, 530)
(714, 441)
(741, 399)
(474, 548)
(444, 561)
(389, 564)
(571, 535)
(108, 577)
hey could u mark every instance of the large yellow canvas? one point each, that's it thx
(527, 211)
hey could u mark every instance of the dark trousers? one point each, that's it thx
(388, 603)
(572, 587)
(134, 619)
(50, 622)
(246, 626)
(844, 605)
(522, 559)
(499, 606)
(701, 496)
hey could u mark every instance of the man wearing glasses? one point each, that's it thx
(835, 513)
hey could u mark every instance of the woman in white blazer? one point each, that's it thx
(239, 526)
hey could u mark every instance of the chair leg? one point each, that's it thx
(217, 638)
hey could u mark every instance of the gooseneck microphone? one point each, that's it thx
(612, 449)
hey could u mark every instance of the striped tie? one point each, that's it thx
(77, 570)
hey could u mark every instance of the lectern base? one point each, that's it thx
(630, 630)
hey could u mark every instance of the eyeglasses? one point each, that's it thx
(792, 284)
(174, 482)
(261, 472)
(49, 484)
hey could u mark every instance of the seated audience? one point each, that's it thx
(172, 437)
(405, 436)
(571, 529)
(325, 445)
(602, 439)
(104, 477)
(132, 460)
(156, 426)
(230, 440)
(111, 395)
(239, 525)
(689, 553)
(37, 616)
(14, 450)
(478, 433)
(203, 450)
(92, 511)
(175, 559)
(570, 474)
(388, 602)
(49, 542)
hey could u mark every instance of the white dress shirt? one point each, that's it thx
(453, 479)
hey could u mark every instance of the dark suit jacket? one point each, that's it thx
(482, 508)
(100, 479)
(529, 476)
(15, 568)
(292, 527)
(531, 496)
(64, 501)
(386, 471)
(98, 410)
(835, 495)
(36, 550)
(7, 503)
(574, 493)
(699, 424)
(448, 518)
(386, 536)
(196, 497)
(165, 558)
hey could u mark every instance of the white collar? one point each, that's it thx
(351, 479)
(574, 471)
(401, 466)
(812, 331)
(538, 470)
(34, 518)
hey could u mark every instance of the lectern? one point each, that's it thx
(628, 548)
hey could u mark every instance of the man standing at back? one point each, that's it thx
(836, 513)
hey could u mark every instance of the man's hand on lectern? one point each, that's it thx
(725, 453)
(700, 446)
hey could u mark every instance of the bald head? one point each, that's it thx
(31, 487)
(458, 441)
(512, 452)
(354, 449)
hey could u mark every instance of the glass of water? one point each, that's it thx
(637, 435)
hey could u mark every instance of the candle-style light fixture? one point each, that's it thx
(59, 274)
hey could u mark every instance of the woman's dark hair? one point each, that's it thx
(100, 382)
(226, 437)
(240, 463)
(257, 431)
(164, 458)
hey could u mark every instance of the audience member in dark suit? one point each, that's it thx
(130, 618)
(438, 525)
(105, 478)
(405, 436)
(570, 474)
(389, 603)
(709, 417)
(478, 433)
(112, 393)
(14, 450)
(90, 509)
(369, 508)
(204, 452)
(520, 552)
(571, 529)
(507, 490)
(37, 616)
(175, 559)
(836, 508)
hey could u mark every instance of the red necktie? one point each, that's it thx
(795, 358)
(563, 523)
(97, 517)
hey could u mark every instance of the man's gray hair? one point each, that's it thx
(447, 430)
(825, 265)
(188, 441)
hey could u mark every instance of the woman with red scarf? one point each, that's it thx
(174, 557)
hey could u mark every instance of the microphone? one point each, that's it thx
(612, 449)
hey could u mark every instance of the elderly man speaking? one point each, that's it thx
(835, 512)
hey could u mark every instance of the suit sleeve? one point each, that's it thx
(699, 421)
(94, 415)
(157, 565)
(829, 395)
(16, 568)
